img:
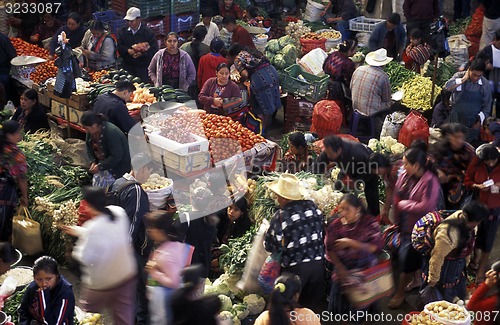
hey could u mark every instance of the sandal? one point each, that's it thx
(395, 303)
(411, 287)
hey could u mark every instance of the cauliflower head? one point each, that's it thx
(255, 303)
(226, 302)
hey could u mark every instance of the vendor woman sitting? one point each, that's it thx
(300, 156)
(30, 115)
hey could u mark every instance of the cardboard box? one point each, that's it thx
(77, 101)
(72, 114)
(181, 164)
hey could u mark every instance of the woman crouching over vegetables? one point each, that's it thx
(13, 170)
(284, 306)
(49, 299)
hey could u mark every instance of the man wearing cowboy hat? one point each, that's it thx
(296, 230)
(370, 86)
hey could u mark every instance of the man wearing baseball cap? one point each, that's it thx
(136, 44)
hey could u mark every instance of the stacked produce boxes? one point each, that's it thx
(184, 15)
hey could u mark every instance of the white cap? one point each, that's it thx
(133, 13)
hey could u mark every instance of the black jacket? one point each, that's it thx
(134, 200)
(36, 119)
(126, 39)
(7, 53)
(230, 230)
(75, 37)
(60, 304)
(115, 147)
(115, 109)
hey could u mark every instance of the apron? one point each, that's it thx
(465, 112)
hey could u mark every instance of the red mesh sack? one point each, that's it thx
(83, 212)
(327, 118)
(415, 127)
(475, 27)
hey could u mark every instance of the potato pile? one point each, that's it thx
(446, 311)
(156, 182)
(92, 319)
(312, 37)
(332, 34)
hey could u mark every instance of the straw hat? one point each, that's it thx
(378, 58)
(288, 186)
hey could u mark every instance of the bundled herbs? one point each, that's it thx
(398, 75)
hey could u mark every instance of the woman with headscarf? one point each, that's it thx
(264, 80)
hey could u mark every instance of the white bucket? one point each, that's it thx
(313, 11)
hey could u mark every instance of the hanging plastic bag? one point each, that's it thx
(415, 127)
(427, 295)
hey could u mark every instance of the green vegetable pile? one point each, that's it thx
(282, 52)
(444, 72)
(458, 27)
(13, 303)
(53, 181)
(235, 254)
(398, 75)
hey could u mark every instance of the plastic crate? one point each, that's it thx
(181, 23)
(181, 6)
(363, 24)
(313, 88)
(112, 20)
(151, 8)
(159, 25)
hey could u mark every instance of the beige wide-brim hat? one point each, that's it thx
(378, 58)
(288, 186)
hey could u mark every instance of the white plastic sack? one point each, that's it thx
(459, 50)
(313, 11)
(8, 286)
(256, 258)
(331, 43)
(435, 135)
(363, 39)
(392, 124)
(158, 198)
(313, 61)
(260, 42)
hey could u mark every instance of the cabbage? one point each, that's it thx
(290, 54)
(226, 302)
(269, 56)
(285, 40)
(273, 46)
(279, 61)
(240, 310)
(255, 303)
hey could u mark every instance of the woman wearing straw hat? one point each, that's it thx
(296, 230)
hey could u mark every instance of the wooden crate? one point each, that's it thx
(72, 114)
(77, 101)
(181, 164)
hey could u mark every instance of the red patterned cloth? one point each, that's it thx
(13, 161)
(415, 56)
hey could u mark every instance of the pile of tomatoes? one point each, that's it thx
(24, 48)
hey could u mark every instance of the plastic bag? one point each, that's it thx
(327, 118)
(392, 124)
(427, 295)
(256, 258)
(313, 61)
(459, 50)
(415, 127)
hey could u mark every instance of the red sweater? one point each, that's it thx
(477, 173)
(242, 37)
(234, 10)
(206, 67)
(484, 306)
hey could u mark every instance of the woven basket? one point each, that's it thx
(309, 45)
